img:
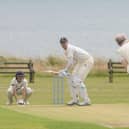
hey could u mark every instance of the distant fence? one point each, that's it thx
(12, 67)
(115, 67)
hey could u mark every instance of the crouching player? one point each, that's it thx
(81, 62)
(123, 50)
(18, 87)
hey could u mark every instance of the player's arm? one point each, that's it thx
(23, 93)
(24, 85)
(121, 52)
(69, 63)
(64, 72)
(70, 60)
(69, 55)
(13, 85)
(124, 62)
(15, 92)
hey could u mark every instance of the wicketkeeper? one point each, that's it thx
(19, 86)
(81, 62)
(123, 50)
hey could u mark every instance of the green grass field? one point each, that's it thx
(110, 107)
(15, 120)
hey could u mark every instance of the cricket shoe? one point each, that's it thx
(84, 104)
(72, 102)
(27, 103)
(9, 103)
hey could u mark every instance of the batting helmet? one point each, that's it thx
(63, 40)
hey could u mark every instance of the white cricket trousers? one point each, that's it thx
(76, 82)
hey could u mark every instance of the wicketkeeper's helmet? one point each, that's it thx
(20, 73)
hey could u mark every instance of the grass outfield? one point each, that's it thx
(109, 115)
(99, 89)
(17, 120)
(110, 107)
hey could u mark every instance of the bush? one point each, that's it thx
(55, 61)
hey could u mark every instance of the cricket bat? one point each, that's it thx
(51, 72)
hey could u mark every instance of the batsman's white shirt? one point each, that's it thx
(81, 60)
(76, 54)
(18, 85)
(124, 52)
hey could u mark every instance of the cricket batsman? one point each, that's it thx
(81, 63)
(123, 50)
(18, 87)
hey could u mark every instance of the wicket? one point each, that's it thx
(58, 90)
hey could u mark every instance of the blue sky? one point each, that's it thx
(32, 28)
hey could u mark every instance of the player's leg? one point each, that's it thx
(25, 92)
(84, 95)
(73, 87)
(10, 95)
(73, 92)
(128, 68)
(84, 70)
(28, 94)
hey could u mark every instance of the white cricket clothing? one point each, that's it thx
(82, 63)
(124, 51)
(18, 85)
(81, 70)
(128, 68)
(76, 55)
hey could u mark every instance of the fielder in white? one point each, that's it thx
(19, 86)
(81, 62)
(123, 50)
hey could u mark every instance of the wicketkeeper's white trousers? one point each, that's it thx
(18, 92)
